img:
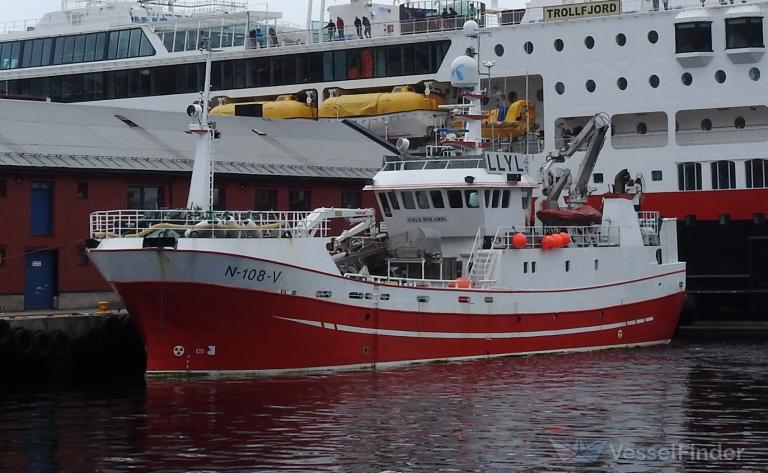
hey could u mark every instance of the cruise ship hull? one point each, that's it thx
(197, 325)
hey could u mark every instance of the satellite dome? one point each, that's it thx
(464, 72)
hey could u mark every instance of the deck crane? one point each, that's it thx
(593, 134)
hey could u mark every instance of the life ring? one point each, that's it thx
(22, 341)
(42, 343)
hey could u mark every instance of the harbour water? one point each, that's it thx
(686, 407)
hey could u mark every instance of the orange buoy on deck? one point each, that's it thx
(460, 283)
(519, 240)
(557, 242)
(566, 238)
(547, 243)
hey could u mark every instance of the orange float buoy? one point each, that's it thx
(460, 283)
(557, 242)
(566, 238)
(547, 243)
(519, 240)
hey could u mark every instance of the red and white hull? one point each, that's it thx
(220, 321)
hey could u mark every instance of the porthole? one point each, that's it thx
(642, 128)
(687, 78)
(621, 40)
(512, 97)
(621, 83)
(560, 88)
(540, 95)
(740, 122)
(528, 47)
(559, 45)
(754, 74)
(590, 85)
(706, 124)
(653, 36)
(499, 50)
(654, 81)
(720, 76)
(589, 42)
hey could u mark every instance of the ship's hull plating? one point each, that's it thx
(244, 330)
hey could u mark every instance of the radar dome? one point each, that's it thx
(471, 29)
(464, 72)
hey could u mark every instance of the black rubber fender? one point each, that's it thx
(62, 345)
(22, 341)
(6, 334)
(42, 343)
(94, 340)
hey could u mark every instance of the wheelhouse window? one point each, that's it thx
(757, 173)
(689, 176)
(145, 197)
(266, 199)
(408, 201)
(473, 199)
(695, 36)
(744, 33)
(437, 199)
(454, 199)
(723, 175)
(393, 200)
(422, 199)
(298, 200)
(384, 205)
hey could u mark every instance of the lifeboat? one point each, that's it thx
(285, 106)
(519, 117)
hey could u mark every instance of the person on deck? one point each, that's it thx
(331, 30)
(340, 27)
(359, 27)
(367, 26)
(444, 17)
(272, 36)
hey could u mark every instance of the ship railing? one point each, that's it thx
(18, 26)
(205, 224)
(411, 163)
(650, 224)
(406, 282)
(582, 236)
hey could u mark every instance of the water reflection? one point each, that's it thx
(515, 414)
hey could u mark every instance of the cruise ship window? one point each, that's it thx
(654, 81)
(540, 95)
(385, 205)
(79, 48)
(408, 202)
(689, 176)
(167, 41)
(656, 175)
(47, 50)
(146, 48)
(723, 175)
(560, 88)
(528, 47)
(437, 199)
(37, 52)
(559, 45)
(215, 37)
(739, 123)
(754, 74)
(393, 200)
(69, 50)
(744, 33)
(191, 40)
(695, 36)
(597, 178)
(422, 199)
(499, 50)
(653, 36)
(114, 40)
(178, 44)
(757, 173)
(720, 76)
(26, 58)
(621, 83)
(621, 39)
(706, 124)
(686, 78)
(642, 128)
(589, 42)
(90, 48)
(590, 85)
(454, 199)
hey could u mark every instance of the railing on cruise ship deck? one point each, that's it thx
(200, 224)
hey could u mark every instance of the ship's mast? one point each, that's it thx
(201, 185)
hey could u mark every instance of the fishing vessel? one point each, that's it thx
(460, 267)
(682, 83)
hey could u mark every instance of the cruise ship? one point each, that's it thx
(681, 81)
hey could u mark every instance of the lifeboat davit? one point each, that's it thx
(510, 123)
(285, 106)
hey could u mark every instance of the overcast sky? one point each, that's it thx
(294, 11)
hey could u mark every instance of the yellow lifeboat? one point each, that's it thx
(518, 118)
(285, 106)
(401, 99)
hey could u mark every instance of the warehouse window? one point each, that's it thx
(82, 190)
(3, 189)
(2, 256)
(145, 197)
(219, 199)
(298, 200)
(266, 199)
(351, 199)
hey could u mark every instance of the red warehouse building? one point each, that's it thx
(59, 163)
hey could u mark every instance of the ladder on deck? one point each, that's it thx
(482, 262)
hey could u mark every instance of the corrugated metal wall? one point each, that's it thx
(109, 191)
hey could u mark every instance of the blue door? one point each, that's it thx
(41, 213)
(40, 280)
